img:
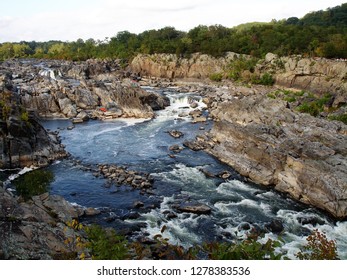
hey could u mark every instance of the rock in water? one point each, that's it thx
(176, 133)
(196, 208)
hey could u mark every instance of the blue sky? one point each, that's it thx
(68, 20)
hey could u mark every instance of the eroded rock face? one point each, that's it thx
(24, 142)
(84, 87)
(170, 66)
(274, 146)
(318, 75)
(37, 229)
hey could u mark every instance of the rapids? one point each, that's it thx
(143, 145)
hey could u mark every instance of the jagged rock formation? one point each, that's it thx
(318, 75)
(170, 66)
(274, 146)
(69, 90)
(23, 141)
(37, 229)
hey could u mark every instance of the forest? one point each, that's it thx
(317, 34)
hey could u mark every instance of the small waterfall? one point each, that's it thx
(180, 105)
(52, 74)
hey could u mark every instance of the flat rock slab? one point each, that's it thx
(196, 208)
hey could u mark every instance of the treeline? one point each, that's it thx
(322, 33)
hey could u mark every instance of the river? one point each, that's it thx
(237, 205)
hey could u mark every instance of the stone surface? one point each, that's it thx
(80, 86)
(23, 141)
(176, 133)
(170, 66)
(36, 229)
(294, 153)
(318, 75)
(194, 207)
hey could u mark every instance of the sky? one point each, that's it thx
(69, 20)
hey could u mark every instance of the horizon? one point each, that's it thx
(40, 20)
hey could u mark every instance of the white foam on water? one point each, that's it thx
(21, 172)
(50, 73)
(129, 121)
(336, 232)
(232, 188)
(177, 230)
(187, 177)
(290, 217)
(265, 207)
(180, 104)
(105, 130)
(246, 202)
(231, 207)
(269, 194)
(224, 207)
(237, 185)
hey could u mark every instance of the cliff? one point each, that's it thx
(23, 141)
(318, 75)
(199, 66)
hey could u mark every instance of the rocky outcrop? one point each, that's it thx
(195, 208)
(171, 66)
(319, 75)
(66, 89)
(292, 152)
(23, 141)
(121, 176)
(37, 229)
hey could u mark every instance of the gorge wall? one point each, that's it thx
(295, 153)
(313, 74)
(23, 141)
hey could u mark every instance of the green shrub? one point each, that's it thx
(24, 116)
(33, 183)
(341, 118)
(249, 249)
(310, 108)
(216, 77)
(239, 65)
(290, 99)
(316, 106)
(106, 244)
(318, 248)
(266, 80)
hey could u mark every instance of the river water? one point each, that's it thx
(144, 145)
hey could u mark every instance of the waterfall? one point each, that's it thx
(180, 105)
(52, 74)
